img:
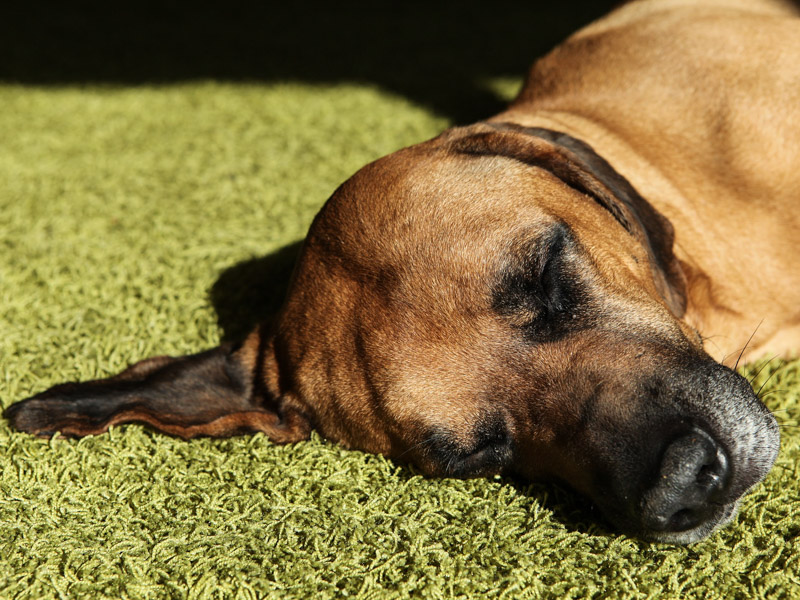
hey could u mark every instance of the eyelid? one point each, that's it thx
(522, 293)
(548, 277)
(548, 249)
(538, 290)
(554, 247)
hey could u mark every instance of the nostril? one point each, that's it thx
(692, 474)
(713, 473)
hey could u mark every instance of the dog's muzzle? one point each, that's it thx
(703, 441)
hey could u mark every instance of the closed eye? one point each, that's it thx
(538, 291)
(552, 277)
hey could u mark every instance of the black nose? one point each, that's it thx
(693, 473)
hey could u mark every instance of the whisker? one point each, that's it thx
(771, 392)
(747, 344)
(775, 372)
(425, 442)
(711, 339)
(762, 368)
(783, 466)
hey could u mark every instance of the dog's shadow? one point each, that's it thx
(250, 293)
(576, 513)
(570, 510)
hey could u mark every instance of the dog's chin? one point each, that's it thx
(723, 515)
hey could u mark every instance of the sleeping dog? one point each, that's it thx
(559, 291)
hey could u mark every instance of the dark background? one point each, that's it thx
(435, 54)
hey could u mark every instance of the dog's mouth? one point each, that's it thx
(716, 517)
(682, 477)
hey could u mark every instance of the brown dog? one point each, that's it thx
(541, 293)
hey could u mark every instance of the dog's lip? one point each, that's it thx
(722, 515)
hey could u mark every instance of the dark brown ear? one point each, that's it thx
(580, 167)
(218, 393)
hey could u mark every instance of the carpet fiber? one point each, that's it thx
(150, 203)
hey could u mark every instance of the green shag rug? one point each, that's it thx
(158, 165)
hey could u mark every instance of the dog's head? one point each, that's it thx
(500, 300)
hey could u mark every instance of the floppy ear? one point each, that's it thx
(222, 392)
(580, 167)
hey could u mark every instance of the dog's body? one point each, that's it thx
(541, 293)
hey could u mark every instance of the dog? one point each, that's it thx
(558, 292)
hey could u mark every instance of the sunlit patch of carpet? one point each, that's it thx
(122, 209)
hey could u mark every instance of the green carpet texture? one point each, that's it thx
(158, 166)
